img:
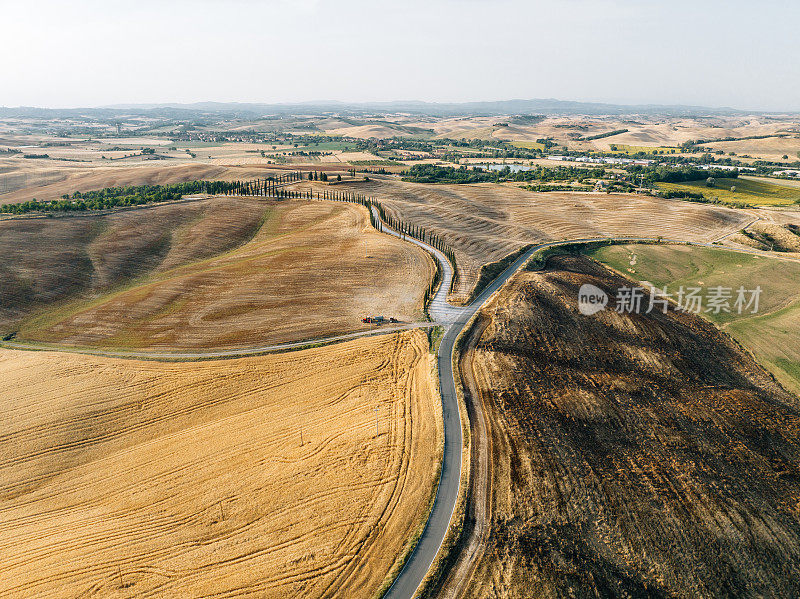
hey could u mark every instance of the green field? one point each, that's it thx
(772, 334)
(626, 149)
(528, 145)
(748, 191)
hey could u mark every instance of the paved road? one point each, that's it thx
(440, 310)
(454, 319)
(411, 576)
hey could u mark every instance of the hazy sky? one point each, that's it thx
(743, 54)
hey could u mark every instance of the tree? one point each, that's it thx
(710, 182)
(310, 176)
(338, 177)
(733, 188)
(785, 157)
(323, 177)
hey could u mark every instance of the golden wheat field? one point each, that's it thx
(122, 478)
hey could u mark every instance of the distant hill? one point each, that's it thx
(253, 110)
(502, 107)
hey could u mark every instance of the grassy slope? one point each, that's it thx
(758, 193)
(773, 334)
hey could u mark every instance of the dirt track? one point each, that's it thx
(632, 455)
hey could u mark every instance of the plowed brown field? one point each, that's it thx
(121, 478)
(629, 455)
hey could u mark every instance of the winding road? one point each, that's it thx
(454, 319)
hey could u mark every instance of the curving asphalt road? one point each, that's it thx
(456, 318)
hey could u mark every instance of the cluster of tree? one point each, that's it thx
(429, 173)
(112, 197)
(698, 142)
(682, 194)
(550, 187)
(667, 174)
(309, 153)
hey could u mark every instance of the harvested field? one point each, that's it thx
(47, 182)
(486, 222)
(771, 148)
(302, 275)
(48, 260)
(632, 455)
(121, 478)
(770, 236)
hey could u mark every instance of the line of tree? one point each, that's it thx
(405, 229)
(603, 135)
(429, 173)
(137, 195)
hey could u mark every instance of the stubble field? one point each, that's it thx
(49, 260)
(256, 477)
(485, 222)
(22, 180)
(309, 269)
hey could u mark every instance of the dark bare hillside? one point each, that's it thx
(632, 455)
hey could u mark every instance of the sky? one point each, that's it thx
(721, 53)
